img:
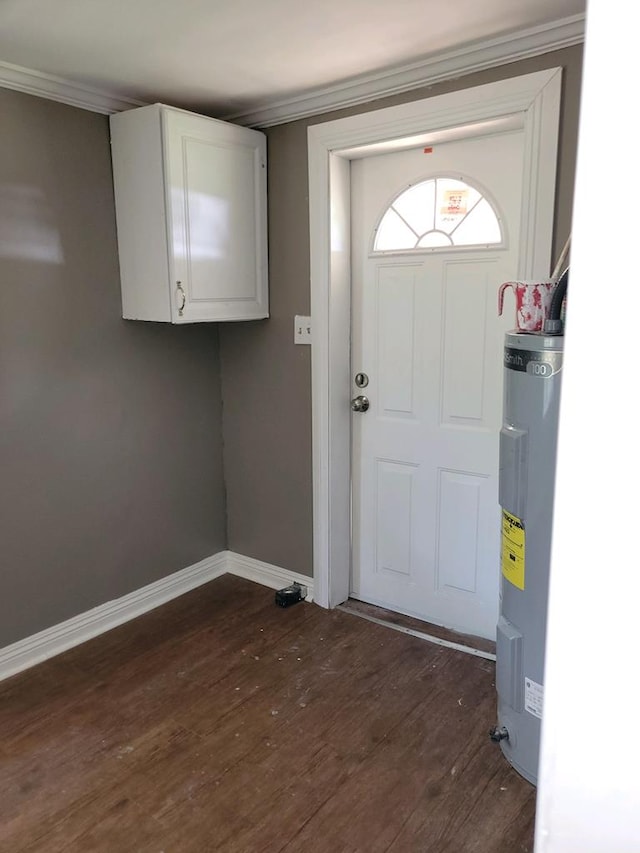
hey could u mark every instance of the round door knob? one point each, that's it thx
(360, 403)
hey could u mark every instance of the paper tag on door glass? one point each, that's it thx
(533, 695)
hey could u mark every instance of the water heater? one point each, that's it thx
(528, 440)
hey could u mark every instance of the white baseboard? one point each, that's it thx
(52, 641)
(265, 573)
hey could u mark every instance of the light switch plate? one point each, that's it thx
(302, 330)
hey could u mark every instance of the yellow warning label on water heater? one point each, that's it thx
(513, 549)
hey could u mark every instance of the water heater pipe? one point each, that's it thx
(553, 324)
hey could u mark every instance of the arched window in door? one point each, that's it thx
(438, 213)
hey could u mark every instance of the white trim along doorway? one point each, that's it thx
(533, 102)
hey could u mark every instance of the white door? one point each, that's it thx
(425, 331)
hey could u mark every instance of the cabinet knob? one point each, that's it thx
(182, 296)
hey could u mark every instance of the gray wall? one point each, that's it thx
(110, 431)
(267, 380)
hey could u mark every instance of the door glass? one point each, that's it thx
(441, 212)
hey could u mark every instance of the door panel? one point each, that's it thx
(425, 456)
(464, 380)
(395, 352)
(394, 512)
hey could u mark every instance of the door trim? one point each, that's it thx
(330, 148)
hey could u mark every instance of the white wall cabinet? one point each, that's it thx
(191, 214)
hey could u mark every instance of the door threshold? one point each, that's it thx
(476, 646)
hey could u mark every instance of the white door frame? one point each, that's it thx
(536, 98)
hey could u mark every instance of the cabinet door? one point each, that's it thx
(216, 201)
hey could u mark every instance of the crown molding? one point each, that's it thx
(65, 91)
(478, 56)
(443, 66)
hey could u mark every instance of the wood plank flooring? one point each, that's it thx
(221, 722)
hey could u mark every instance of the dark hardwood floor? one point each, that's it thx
(223, 722)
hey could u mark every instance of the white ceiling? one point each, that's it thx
(240, 58)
